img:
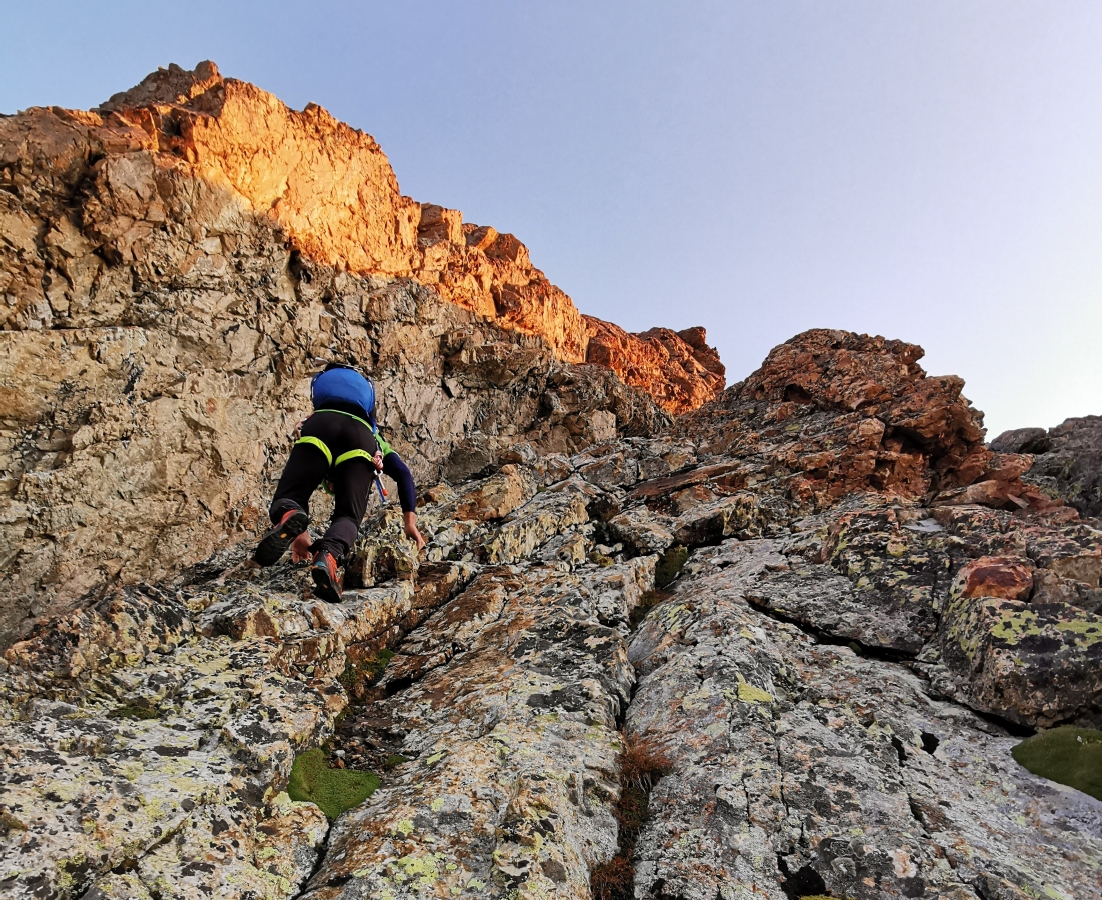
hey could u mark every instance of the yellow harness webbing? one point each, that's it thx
(351, 454)
(344, 457)
(320, 444)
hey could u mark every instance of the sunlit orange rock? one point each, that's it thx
(830, 413)
(678, 369)
(1001, 577)
(331, 190)
(491, 274)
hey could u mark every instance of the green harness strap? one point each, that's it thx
(320, 444)
(344, 457)
(352, 454)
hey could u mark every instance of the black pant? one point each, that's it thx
(352, 478)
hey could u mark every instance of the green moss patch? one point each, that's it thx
(1071, 756)
(670, 565)
(333, 790)
(133, 712)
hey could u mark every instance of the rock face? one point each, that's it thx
(820, 597)
(133, 450)
(1067, 460)
(805, 767)
(678, 369)
(832, 674)
(171, 267)
(327, 188)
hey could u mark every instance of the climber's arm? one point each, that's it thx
(394, 468)
(407, 495)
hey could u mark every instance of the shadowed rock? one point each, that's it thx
(1067, 460)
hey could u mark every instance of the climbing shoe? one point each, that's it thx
(324, 572)
(275, 542)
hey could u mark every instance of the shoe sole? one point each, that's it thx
(324, 587)
(275, 543)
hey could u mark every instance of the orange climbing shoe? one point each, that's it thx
(275, 542)
(324, 572)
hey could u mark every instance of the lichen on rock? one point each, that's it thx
(819, 599)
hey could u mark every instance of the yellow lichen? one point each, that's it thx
(67, 791)
(750, 694)
(423, 869)
(131, 771)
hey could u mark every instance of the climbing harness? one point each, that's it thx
(384, 448)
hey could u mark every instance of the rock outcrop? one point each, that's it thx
(832, 412)
(819, 599)
(831, 675)
(170, 271)
(1067, 460)
(491, 274)
(678, 369)
(327, 188)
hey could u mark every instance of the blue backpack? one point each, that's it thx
(343, 384)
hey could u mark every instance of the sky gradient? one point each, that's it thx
(930, 171)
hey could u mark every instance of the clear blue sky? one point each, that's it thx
(929, 170)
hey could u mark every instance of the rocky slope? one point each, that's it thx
(1067, 460)
(170, 267)
(819, 599)
(836, 675)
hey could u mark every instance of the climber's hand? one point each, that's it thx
(300, 547)
(378, 460)
(409, 525)
(297, 433)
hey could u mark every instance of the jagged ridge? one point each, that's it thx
(330, 189)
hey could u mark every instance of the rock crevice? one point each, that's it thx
(172, 273)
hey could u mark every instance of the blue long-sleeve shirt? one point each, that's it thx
(394, 468)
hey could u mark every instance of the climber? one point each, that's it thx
(340, 445)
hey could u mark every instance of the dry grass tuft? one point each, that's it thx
(613, 880)
(641, 762)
